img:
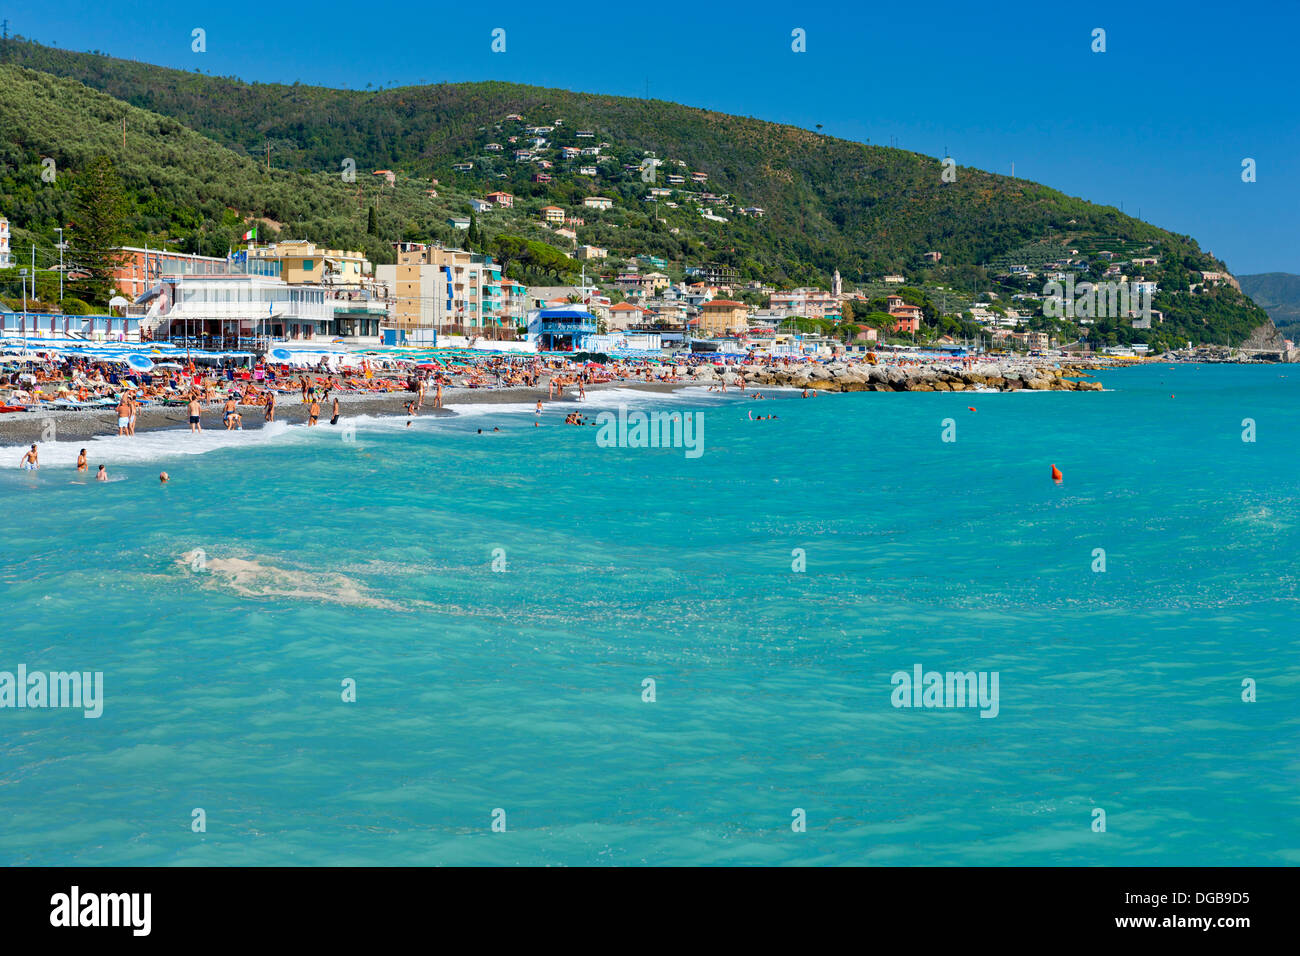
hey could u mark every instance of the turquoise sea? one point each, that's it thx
(521, 689)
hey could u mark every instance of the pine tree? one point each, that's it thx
(98, 229)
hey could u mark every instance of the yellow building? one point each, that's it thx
(721, 316)
(452, 291)
(304, 263)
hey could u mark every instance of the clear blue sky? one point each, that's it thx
(1160, 122)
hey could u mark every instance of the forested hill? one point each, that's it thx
(204, 157)
(829, 203)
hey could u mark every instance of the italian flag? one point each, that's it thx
(251, 234)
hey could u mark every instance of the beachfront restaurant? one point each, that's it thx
(235, 311)
(564, 329)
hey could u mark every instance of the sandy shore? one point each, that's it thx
(22, 428)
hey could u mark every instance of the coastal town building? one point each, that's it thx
(360, 306)
(6, 253)
(552, 215)
(806, 302)
(233, 310)
(139, 269)
(561, 329)
(723, 317)
(666, 311)
(625, 315)
(450, 292)
(303, 262)
(907, 318)
(722, 276)
(598, 202)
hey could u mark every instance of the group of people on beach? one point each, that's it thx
(236, 389)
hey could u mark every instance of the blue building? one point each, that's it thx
(561, 329)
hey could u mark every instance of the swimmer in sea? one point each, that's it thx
(314, 412)
(335, 419)
(102, 474)
(270, 406)
(228, 414)
(81, 460)
(163, 478)
(30, 462)
(539, 406)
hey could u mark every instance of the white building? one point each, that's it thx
(6, 257)
(224, 309)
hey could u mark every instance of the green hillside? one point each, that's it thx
(196, 166)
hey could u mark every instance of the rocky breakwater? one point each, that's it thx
(862, 377)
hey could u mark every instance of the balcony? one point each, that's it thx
(568, 327)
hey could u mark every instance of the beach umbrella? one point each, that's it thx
(139, 363)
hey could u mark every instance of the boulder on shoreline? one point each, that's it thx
(862, 377)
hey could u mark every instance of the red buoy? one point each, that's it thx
(1056, 474)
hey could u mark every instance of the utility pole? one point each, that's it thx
(124, 132)
(59, 230)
